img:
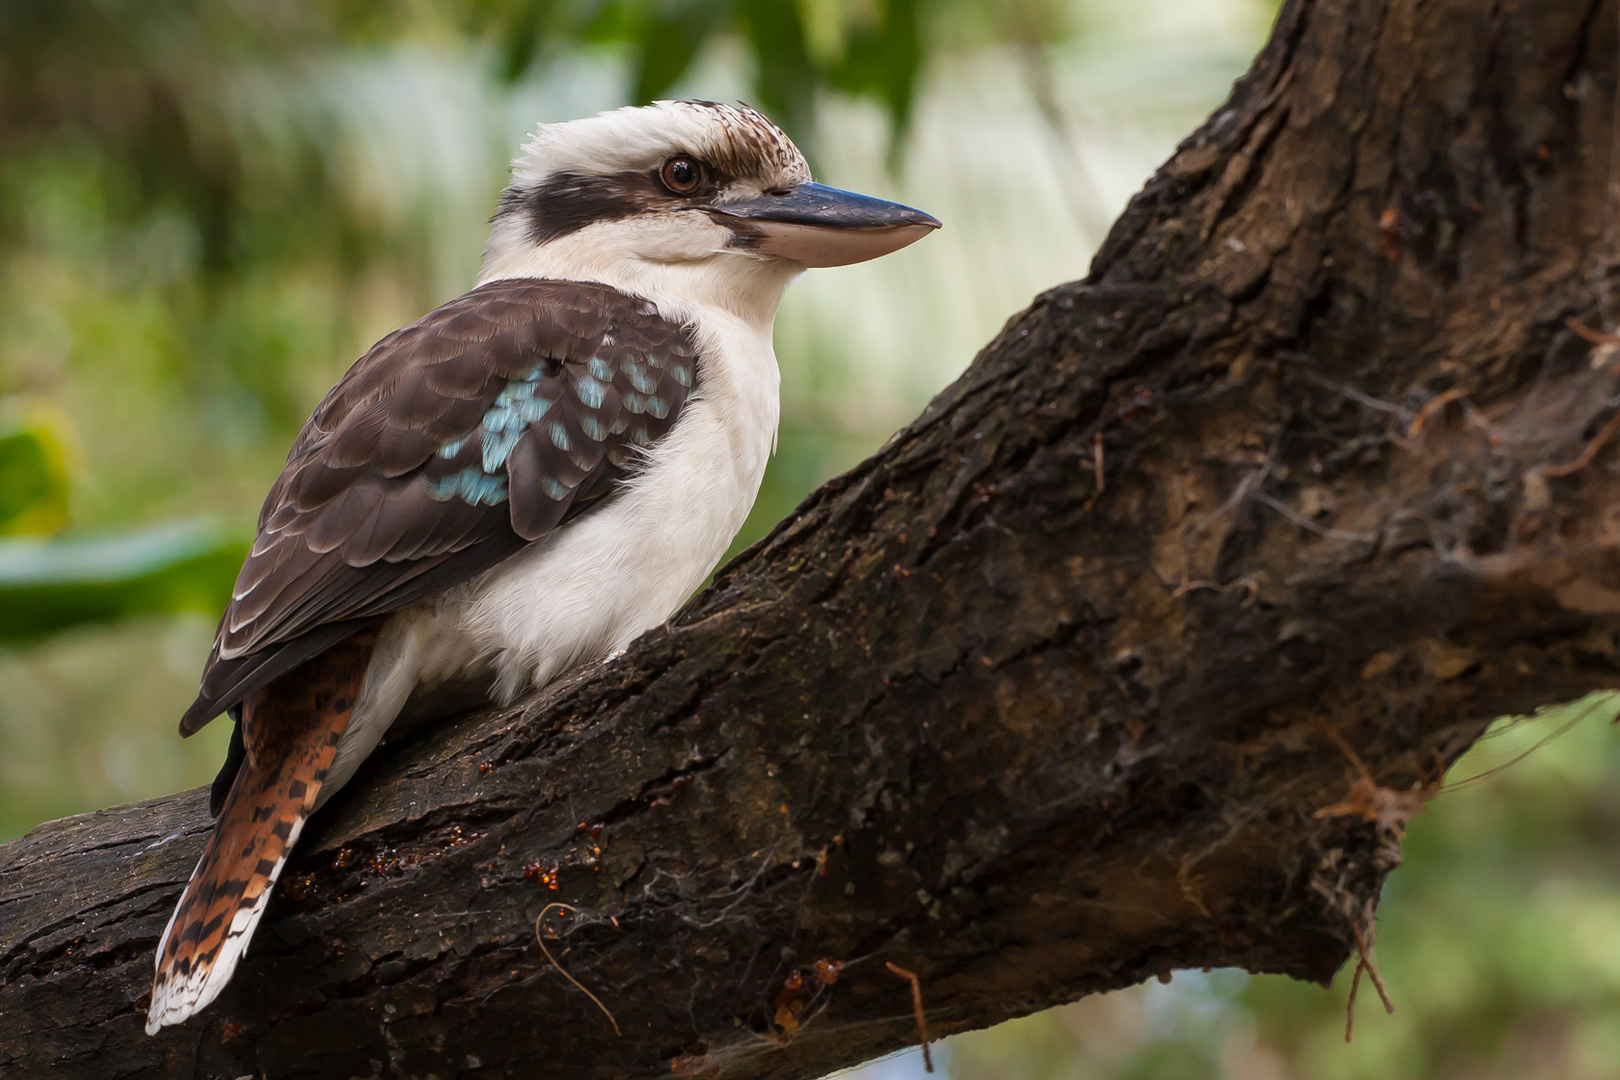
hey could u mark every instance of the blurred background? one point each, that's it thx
(210, 208)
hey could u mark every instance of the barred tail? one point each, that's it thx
(291, 730)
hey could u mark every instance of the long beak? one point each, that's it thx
(816, 225)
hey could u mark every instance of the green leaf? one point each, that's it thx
(883, 59)
(784, 76)
(519, 30)
(51, 585)
(667, 38)
(521, 42)
(36, 448)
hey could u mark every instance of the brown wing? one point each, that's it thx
(448, 447)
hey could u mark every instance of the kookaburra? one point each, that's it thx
(521, 481)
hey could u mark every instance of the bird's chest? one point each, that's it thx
(623, 567)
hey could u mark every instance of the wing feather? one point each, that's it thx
(450, 445)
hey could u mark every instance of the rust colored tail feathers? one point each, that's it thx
(290, 731)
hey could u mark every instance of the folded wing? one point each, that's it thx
(449, 446)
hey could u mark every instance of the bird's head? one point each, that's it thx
(687, 199)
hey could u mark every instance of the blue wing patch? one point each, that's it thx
(474, 485)
(570, 415)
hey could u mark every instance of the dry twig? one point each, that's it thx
(1363, 963)
(1430, 407)
(1385, 807)
(1589, 453)
(1591, 336)
(1521, 755)
(917, 1007)
(579, 985)
(1190, 885)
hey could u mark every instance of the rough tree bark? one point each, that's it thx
(1132, 653)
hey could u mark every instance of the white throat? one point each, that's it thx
(681, 262)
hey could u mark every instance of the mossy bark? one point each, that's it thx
(1132, 653)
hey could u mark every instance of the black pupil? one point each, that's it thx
(682, 173)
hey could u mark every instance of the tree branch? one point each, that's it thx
(1133, 653)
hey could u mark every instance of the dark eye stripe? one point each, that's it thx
(568, 202)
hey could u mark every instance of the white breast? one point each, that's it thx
(591, 587)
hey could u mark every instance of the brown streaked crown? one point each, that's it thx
(606, 168)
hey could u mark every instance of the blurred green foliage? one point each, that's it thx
(176, 173)
(150, 83)
(47, 586)
(35, 449)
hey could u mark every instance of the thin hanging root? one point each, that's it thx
(1589, 453)
(1432, 406)
(1372, 971)
(1363, 963)
(917, 1007)
(1350, 1005)
(1589, 335)
(578, 985)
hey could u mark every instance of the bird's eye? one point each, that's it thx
(681, 175)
